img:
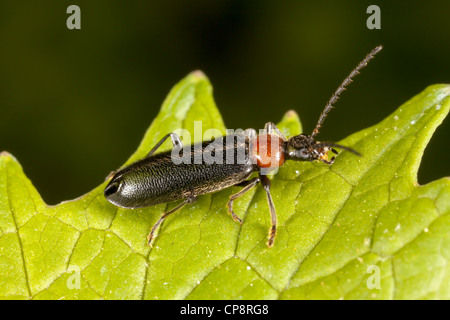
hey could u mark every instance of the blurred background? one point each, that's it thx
(74, 104)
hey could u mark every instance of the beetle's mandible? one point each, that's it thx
(157, 178)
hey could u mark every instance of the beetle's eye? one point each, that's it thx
(111, 189)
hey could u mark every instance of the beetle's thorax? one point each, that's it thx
(267, 150)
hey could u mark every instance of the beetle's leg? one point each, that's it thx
(175, 141)
(270, 127)
(273, 215)
(250, 133)
(164, 215)
(329, 162)
(248, 184)
(110, 175)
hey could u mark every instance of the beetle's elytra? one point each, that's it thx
(157, 178)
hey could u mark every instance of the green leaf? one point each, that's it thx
(340, 227)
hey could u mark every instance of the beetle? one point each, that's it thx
(158, 178)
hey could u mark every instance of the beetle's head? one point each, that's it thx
(305, 148)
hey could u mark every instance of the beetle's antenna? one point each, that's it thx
(342, 87)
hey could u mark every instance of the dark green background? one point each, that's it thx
(74, 104)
